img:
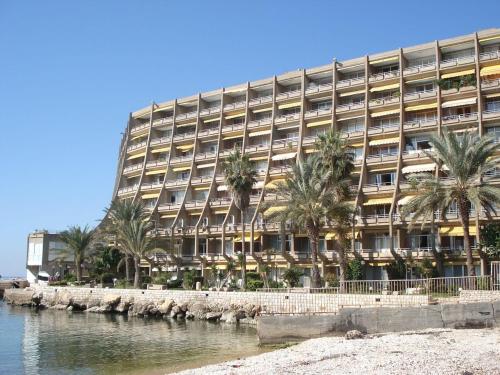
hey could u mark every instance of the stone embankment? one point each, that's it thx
(138, 303)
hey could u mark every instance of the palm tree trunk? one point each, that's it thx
(342, 264)
(127, 267)
(316, 277)
(243, 254)
(137, 276)
(464, 219)
(438, 256)
(78, 268)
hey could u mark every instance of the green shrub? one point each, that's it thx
(396, 270)
(332, 280)
(174, 284)
(253, 276)
(276, 284)
(122, 284)
(188, 279)
(254, 284)
(162, 278)
(69, 277)
(355, 270)
(146, 279)
(107, 278)
(292, 276)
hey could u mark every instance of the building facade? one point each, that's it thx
(385, 106)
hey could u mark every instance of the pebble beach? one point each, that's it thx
(433, 351)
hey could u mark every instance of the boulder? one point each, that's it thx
(249, 321)
(93, 309)
(213, 316)
(176, 310)
(69, 308)
(165, 307)
(228, 317)
(240, 314)
(124, 305)
(198, 310)
(80, 303)
(353, 335)
(189, 315)
(255, 311)
(37, 297)
(184, 306)
(111, 299)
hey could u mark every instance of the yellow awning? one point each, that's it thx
(459, 102)
(185, 147)
(255, 158)
(201, 166)
(384, 141)
(139, 136)
(159, 171)
(168, 216)
(186, 124)
(267, 109)
(458, 74)
(194, 213)
(233, 136)
(418, 168)
(490, 38)
(330, 236)
(350, 93)
(489, 70)
(385, 113)
(386, 87)
(385, 169)
(496, 95)
(181, 169)
(247, 238)
(159, 150)
(136, 156)
(262, 132)
(360, 144)
(310, 150)
(289, 155)
(201, 188)
(220, 212)
(456, 231)
(211, 120)
(420, 107)
(405, 200)
(385, 60)
(318, 123)
(274, 209)
(289, 105)
(236, 115)
(151, 195)
(376, 201)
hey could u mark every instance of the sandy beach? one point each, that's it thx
(436, 351)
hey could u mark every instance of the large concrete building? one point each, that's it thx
(385, 105)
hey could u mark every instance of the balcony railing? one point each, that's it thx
(216, 202)
(255, 148)
(485, 56)
(352, 134)
(169, 206)
(137, 146)
(186, 116)
(261, 122)
(279, 170)
(176, 182)
(128, 189)
(457, 61)
(195, 203)
(384, 76)
(491, 113)
(181, 159)
(152, 186)
(374, 188)
(383, 129)
(232, 128)
(419, 68)
(210, 111)
(417, 124)
(420, 95)
(383, 101)
(227, 152)
(156, 163)
(260, 100)
(287, 118)
(350, 82)
(286, 142)
(490, 83)
(206, 155)
(201, 180)
(132, 168)
(460, 118)
(163, 121)
(160, 141)
(415, 154)
(187, 135)
(350, 107)
(137, 128)
(318, 112)
(313, 88)
(233, 106)
(208, 131)
(370, 159)
(288, 95)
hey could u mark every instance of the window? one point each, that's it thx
(290, 111)
(262, 115)
(458, 54)
(382, 241)
(353, 75)
(420, 142)
(422, 116)
(493, 106)
(353, 125)
(494, 132)
(383, 178)
(325, 105)
(387, 69)
(427, 60)
(420, 241)
(385, 150)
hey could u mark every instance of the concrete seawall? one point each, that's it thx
(273, 329)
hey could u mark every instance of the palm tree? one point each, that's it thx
(467, 158)
(79, 240)
(337, 164)
(240, 175)
(119, 213)
(310, 204)
(131, 228)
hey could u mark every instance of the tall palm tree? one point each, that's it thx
(79, 241)
(310, 204)
(119, 213)
(240, 175)
(466, 157)
(336, 164)
(131, 228)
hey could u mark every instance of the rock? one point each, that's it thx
(189, 315)
(69, 308)
(184, 306)
(198, 310)
(37, 297)
(248, 308)
(240, 314)
(353, 335)
(255, 311)
(175, 311)
(213, 316)
(79, 303)
(166, 306)
(228, 317)
(93, 309)
(124, 305)
(249, 321)
(111, 300)
(59, 307)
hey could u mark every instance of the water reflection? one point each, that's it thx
(58, 342)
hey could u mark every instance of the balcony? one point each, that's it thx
(256, 148)
(350, 107)
(274, 171)
(375, 219)
(420, 95)
(381, 158)
(195, 204)
(490, 83)
(128, 189)
(260, 100)
(420, 124)
(459, 61)
(352, 134)
(382, 129)
(176, 182)
(415, 154)
(169, 206)
(284, 143)
(423, 68)
(184, 136)
(163, 121)
(138, 128)
(228, 151)
(384, 76)
(186, 116)
(208, 131)
(157, 163)
(232, 128)
(160, 141)
(309, 140)
(152, 186)
(181, 159)
(220, 202)
(233, 106)
(487, 56)
(490, 114)
(258, 123)
(315, 89)
(201, 180)
(459, 119)
(210, 111)
(288, 95)
(377, 188)
(137, 146)
(285, 119)
(132, 168)
(373, 103)
(317, 113)
(353, 82)
(460, 90)
(205, 155)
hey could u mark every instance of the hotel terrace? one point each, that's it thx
(384, 105)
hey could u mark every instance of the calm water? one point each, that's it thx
(59, 342)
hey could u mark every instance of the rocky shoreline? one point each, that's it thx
(163, 308)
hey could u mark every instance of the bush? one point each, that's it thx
(174, 284)
(161, 279)
(58, 283)
(146, 279)
(254, 284)
(253, 276)
(69, 277)
(107, 278)
(396, 270)
(122, 284)
(355, 270)
(188, 279)
(292, 276)
(332, 280)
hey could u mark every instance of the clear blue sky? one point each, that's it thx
(70, 72)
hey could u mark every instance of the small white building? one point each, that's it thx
(46, 254)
